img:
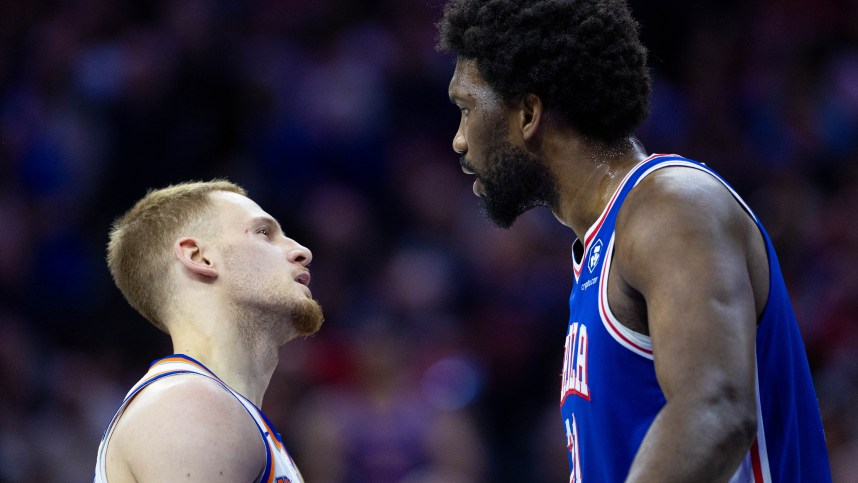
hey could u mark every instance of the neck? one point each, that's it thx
(588, 174)
(243, 365)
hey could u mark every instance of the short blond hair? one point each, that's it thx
(141, 240)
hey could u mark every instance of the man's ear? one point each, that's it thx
(190, 253)
(530, 116)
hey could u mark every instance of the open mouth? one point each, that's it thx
(303, 278)
(467, 167)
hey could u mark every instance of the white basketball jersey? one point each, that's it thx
(279, 467)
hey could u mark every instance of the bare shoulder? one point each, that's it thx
(678, 194)
(188, 427)
(675, 200)
(678, 215)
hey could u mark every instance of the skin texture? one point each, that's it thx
(690, 270)
(241, 295)
(164, 438)
(512, 181)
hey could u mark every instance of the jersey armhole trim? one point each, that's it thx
(680, 162)
(266, 474)
(636, 342)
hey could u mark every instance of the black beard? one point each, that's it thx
(514, 182)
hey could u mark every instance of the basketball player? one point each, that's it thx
(683, 359)
(209, 267)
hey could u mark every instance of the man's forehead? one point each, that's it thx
(464, 76)
(468, 84)
(235, 204)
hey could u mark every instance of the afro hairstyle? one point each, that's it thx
(583, 58)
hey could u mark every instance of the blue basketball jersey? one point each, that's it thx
(609, 392)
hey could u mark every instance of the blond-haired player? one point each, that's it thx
(205, 264)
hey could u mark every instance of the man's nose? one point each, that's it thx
(301, 254)
(459, 144)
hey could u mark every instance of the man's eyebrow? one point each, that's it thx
(460, 95)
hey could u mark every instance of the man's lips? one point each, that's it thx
(303, 278)
(478, 188)
(467, 167)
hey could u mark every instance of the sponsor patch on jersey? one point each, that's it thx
(595, 255)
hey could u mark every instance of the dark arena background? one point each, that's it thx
(441, 355)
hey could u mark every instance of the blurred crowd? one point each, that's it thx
(441, 354)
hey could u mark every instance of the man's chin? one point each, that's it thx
(503, 223)
(501, 217)
(307, 317)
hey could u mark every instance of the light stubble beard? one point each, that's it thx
(270, 315)
(307, 317)
(264, 324)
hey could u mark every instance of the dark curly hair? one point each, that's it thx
(583, 58)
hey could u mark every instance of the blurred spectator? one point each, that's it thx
(441, 356)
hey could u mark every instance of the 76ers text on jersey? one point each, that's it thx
(575, 364)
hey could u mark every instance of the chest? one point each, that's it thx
(600, 291)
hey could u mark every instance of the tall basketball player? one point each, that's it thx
(209, 267)
(683, 359)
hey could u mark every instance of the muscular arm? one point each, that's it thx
(185, 428)
(683, 247)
